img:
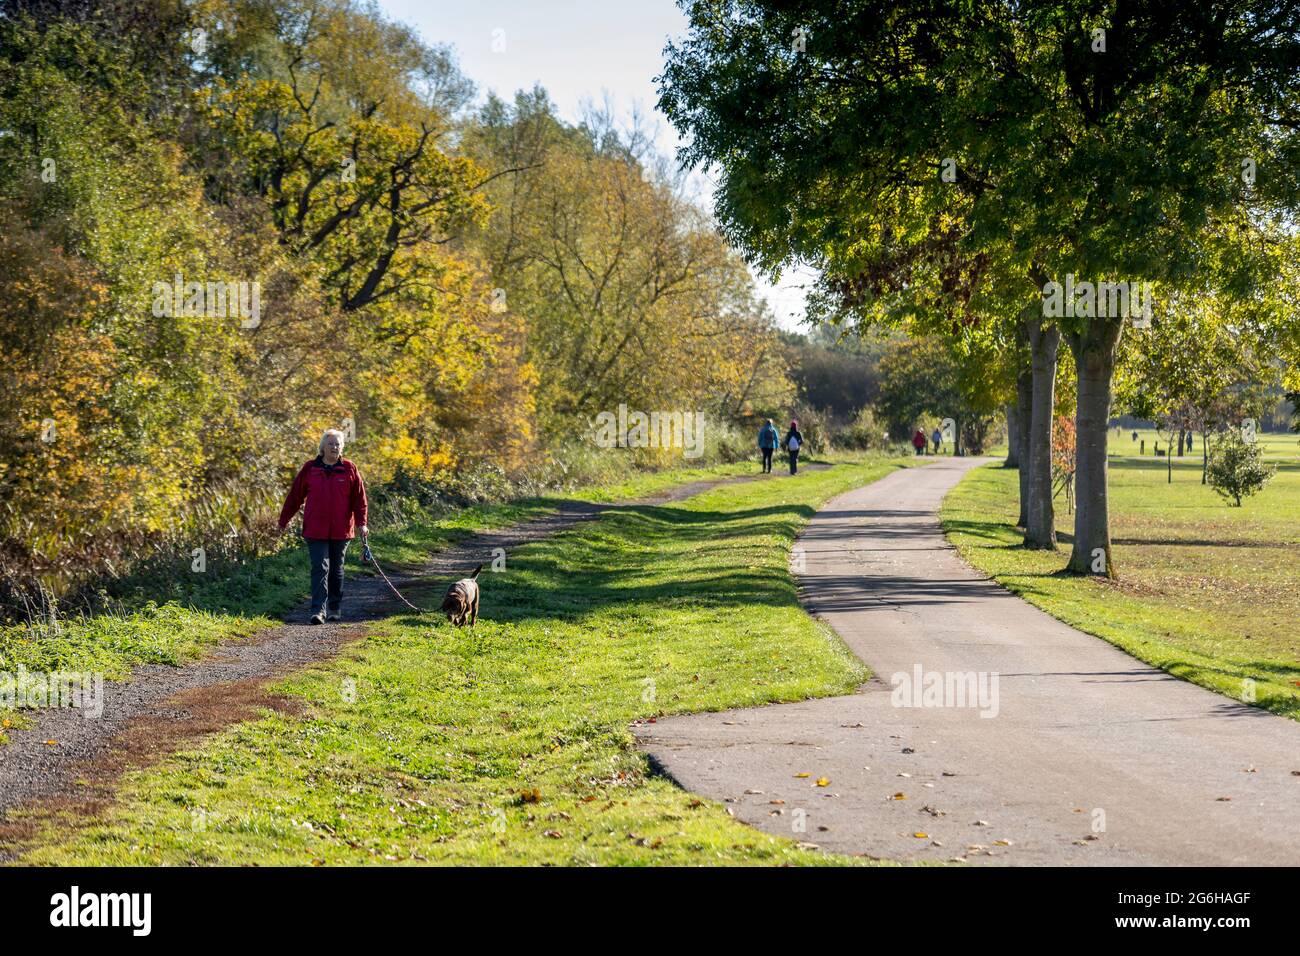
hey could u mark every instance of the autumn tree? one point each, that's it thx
(631, 294)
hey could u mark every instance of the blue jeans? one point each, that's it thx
(326, 572)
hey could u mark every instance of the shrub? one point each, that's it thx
(1236, 470)
(867, 432)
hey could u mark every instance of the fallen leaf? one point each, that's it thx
(921, 836)
(800, 776)
(823, 782)
(899, 796)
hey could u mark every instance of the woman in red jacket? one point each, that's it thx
(335, 495)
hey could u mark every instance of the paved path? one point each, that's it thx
(1171, 774)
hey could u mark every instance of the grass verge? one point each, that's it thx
(174, 620)
(510, 744)
(1207, 593)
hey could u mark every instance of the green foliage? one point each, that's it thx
(1236, 469)
(938, 164)
(866, 432)
(924, 382)
(323, 153)
(838, 378)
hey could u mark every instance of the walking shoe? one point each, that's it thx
(318, 617)
(334, 616)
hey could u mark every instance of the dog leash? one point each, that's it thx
(365, 553)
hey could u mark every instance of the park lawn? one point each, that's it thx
(1207, 592)
(175, 619)
(510, 744)
(1277, 447)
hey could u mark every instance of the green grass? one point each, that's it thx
(451, 734)
(1276, 446)
(177, 617)
(1207, 592)
(169, 620)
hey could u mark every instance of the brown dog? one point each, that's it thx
(461, 601)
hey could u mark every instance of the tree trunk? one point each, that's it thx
(1205, 454)
(1044, 343)
(1094, 359)
(1013, 439)
(1024, 414)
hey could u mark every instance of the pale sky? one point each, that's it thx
(581, 51)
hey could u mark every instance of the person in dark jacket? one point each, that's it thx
(336, 498)
(793, 442)
(918, 442)
(768, 439)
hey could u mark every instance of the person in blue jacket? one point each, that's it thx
(767, 442)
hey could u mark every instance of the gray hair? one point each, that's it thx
(320, 449)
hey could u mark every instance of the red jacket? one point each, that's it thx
(918, 440)
(334, 494)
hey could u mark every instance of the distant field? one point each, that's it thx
(1208, 592)
(1277, 446)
